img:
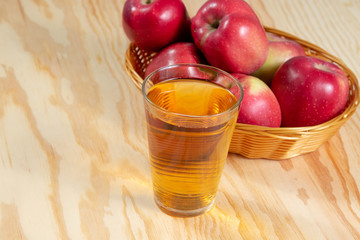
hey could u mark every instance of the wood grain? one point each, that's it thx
(73, 146)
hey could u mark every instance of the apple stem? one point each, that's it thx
(215, 24)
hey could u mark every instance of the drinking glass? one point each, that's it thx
(191, 112)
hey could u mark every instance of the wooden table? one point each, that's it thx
(73, 147)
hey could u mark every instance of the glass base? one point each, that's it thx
(184, 213)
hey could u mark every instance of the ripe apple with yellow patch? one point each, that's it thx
(281, 49)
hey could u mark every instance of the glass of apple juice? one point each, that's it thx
(191, 112)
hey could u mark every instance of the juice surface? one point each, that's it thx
(191, 97)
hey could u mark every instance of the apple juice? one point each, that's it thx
(187, 153)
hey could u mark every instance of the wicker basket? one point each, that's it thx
(264, 142)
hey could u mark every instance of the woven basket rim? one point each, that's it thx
(281, 132)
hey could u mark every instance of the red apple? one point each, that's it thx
(182, 52)
(230, 35)
(154, 24)
(310, 91)
(281, 49)
(259, 105)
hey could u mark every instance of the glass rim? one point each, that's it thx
(237, 104)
